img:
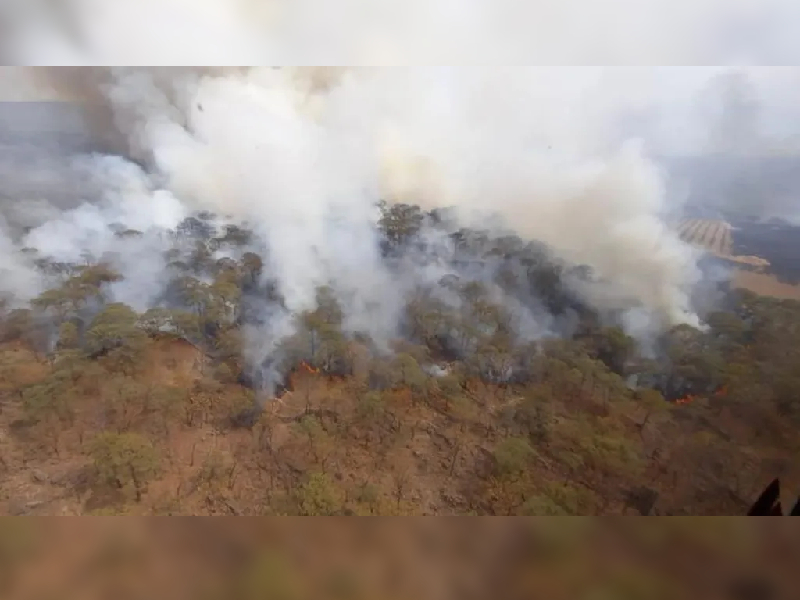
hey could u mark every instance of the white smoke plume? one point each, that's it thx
(305, 163)
(256, 144)
(304, 154)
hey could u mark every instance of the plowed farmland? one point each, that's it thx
(715, 236)
(749, 272)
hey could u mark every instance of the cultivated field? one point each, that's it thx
(715, 236)
(750, 272)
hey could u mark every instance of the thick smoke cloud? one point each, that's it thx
(266, 146)
(743, 157)
(563, 155)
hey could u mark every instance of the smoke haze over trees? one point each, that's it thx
(500, 386)
(489, 246)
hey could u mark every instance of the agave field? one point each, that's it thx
(714, 235)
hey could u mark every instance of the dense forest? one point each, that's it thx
(472, 406)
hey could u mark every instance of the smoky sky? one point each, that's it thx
(594, 162)
(727, 137)
(408, 32)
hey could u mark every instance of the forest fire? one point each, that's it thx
(689, 398)
(308, 368)
(289, 384)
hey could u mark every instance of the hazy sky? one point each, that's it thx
(15, 84)
(408, 32)
(669, 106)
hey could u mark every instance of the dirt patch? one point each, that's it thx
(765, 284)
(175, 362)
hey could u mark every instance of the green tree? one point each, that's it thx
(612, 347)
(426, 318)
(560, 499)
(187, 325)
(491, 363)
(407, 372)
(57, 302)
(114, 333)
(155, 321)
(512, 456)
(201, 259)
(68, 336)
(400, 222)
(372, 416)
(125, 400)
(464, 411)
(371, 407)
(112, 327)
(225, 295)
(236, 235)
(535, 414)
(319, 441)
(651, 404)
(125, 460)
(318, 497)
(87, 285)
(21, 323)
(92, 278)
(192, 293)
(168, 403)
(251, 267)
(49, 405)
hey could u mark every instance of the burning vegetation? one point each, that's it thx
(722, 392)
(499, 386)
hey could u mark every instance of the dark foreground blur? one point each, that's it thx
(506, 558)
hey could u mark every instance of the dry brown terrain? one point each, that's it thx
(765, 284)
(107, 411)
(397, 453)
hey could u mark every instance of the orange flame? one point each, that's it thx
(720, 393)
(308, 368)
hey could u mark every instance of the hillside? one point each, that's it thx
(106, 410)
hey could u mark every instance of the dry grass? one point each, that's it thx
(426, 457)
(175, 362)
